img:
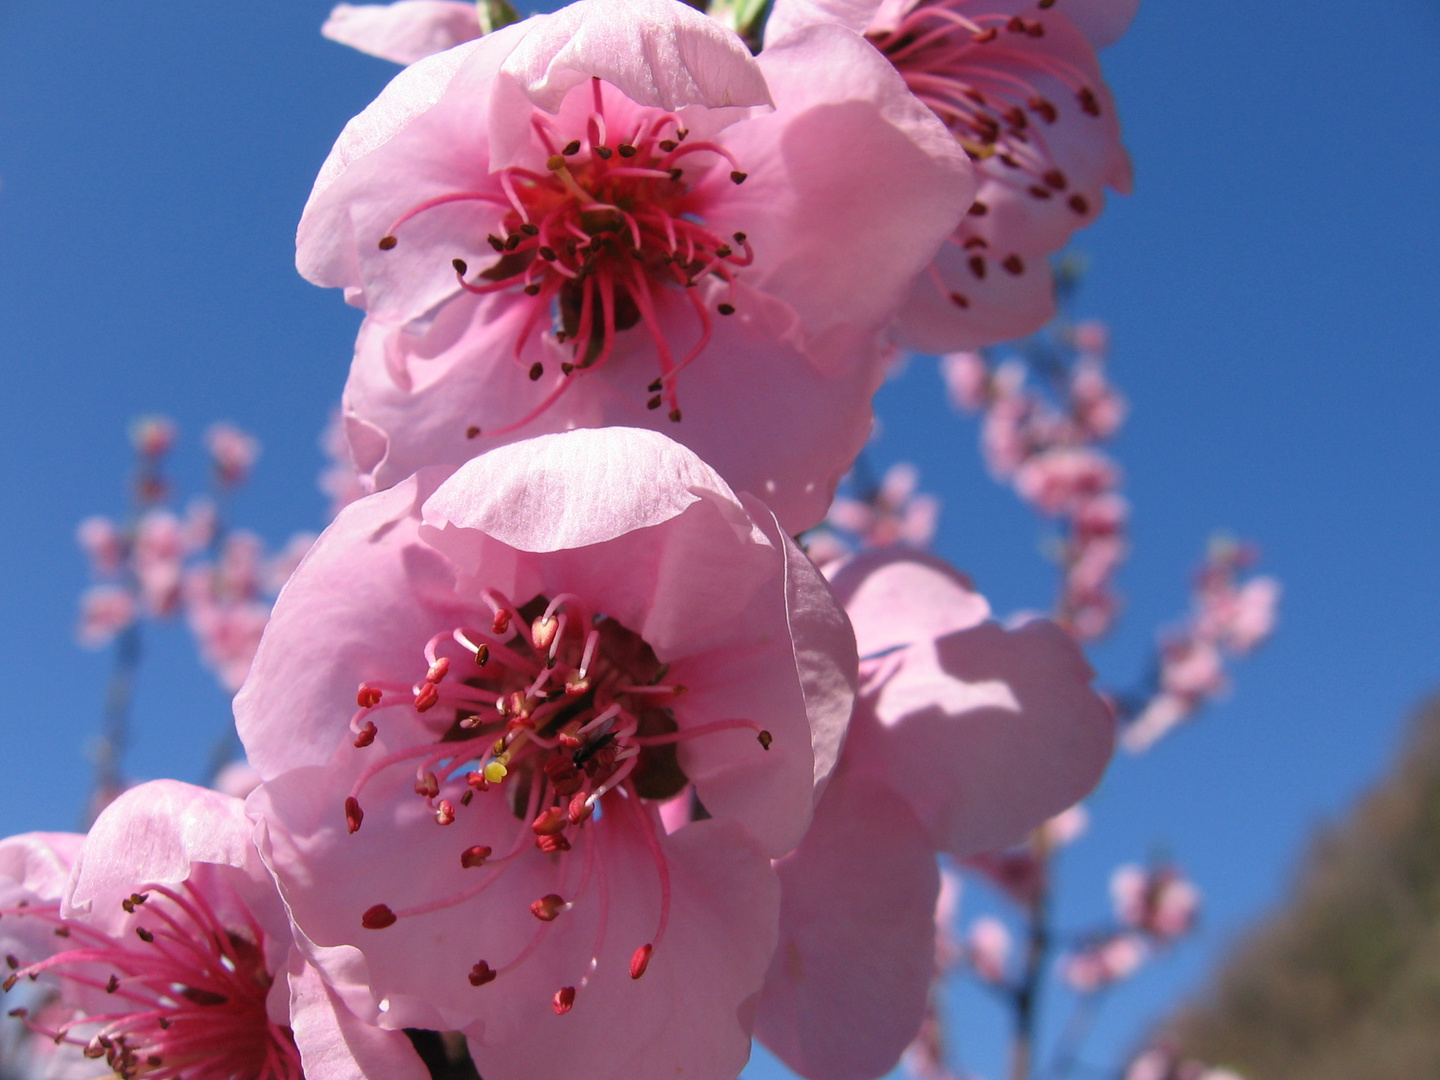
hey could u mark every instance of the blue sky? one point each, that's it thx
(1273, 288)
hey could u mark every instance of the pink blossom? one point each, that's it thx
(227, 635)
(278, 568)
(1065, 827)
(1019, 87)
(967, 378)
(233, 452)
(601, 602)
(105, 610)
(170, 949)
(966, 737)
(1060, 480)
(1162, 1063)
(988, 949)
(101, 540)
(895, 514)
(159, 555)
(202, 524)
(705, 300)
(152, 436)
(1097, 407)
(1160, 902)
(405, 31)
(1101, 963)
(948, 951)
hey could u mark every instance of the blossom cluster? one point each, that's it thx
(562, 746)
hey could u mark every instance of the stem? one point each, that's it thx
(115, 720)
(1077, 1028)
(1037, 951)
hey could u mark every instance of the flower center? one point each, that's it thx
(189, 992)
(568, 717)
(974, 71)
(588, 243)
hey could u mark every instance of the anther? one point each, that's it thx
(555, 162)
(472, 432)
(18, 1014)
(536, 370)
(353, 814)
(367, 697)
(1044, 109)
(725, 309)
(426, 697)
(676, 174)
(580, 808)
(667, 145)
(110, 987)
(377, 917)
(474, 856)
(977, 266)
(9, 983)
(738, 177)
(438, 670)
(604, 153)
(542, 630)
(627, 151)
(985, 35)
(62, 931)
(501, 622)
(481, 974)
(552, 844)
(482, 654)
(469, 795)
(530, 229)
(571, 149)
(144, 935)
(460, 265)
(653, 403)
(1016, 25)
(1089, 103)
(549, 822)
(640, 960)
(547, 253)
(566, 367)
(564, 1000)
(1079, 203)
(512, 241)
(740, 238)
(494, 772)
(765, 739)
(495, 242)
(675, 415)
(533, 289)
(445, 812)
(10, 960)
(366, 735)
(1039, 192)
(960, 300)
(548, 908)
(978, 209)
(387, 242)
(1056, 179)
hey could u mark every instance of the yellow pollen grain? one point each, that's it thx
(495, 772)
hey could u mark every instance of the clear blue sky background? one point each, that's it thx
(1273, 288)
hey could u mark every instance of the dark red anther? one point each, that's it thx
(1056, 179)
(460, 265)
(580, 808)
(387, 243)
(675, 416)
(366, 735)
(110, 987)
(569, 742)
(481, 974)
(1079, 203)
(571, 148)
(482, 655)
(472, 432)
(474, 856)
(496, 242)
(512, 241)
(1016, 25)
(536, 370)
(11, 980)
(548, 908)
(654, 402)
(502, 621)
(377, 917)
(353, 814)
(549, 822)
(1039, 192)
(445, 813)
(640, 960)
(552, 844)
(978, 209)
(960, 300)
(428, 786)
(144, 935)
(477, 781)
(765, 739)
(725, 309)
(438, 670)
(738, 177)
(565, 778)
(1043, 109)
(10, 959)
(564, 1000)
(367, 697)
(465, 799)
(1089, 103)
(977, 266)
(1045, 5)
(626, 150)
(985, 35)
(426, 697)
(1035, 28)
(1014, 264)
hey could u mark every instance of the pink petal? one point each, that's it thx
(896, 598)
(787, 16)
(334, 1044)
(575, 489)
(847, 986)
(1104, 22)
(405, 31)
(860, 185)
(36, 866)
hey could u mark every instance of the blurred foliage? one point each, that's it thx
(1344, 983)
